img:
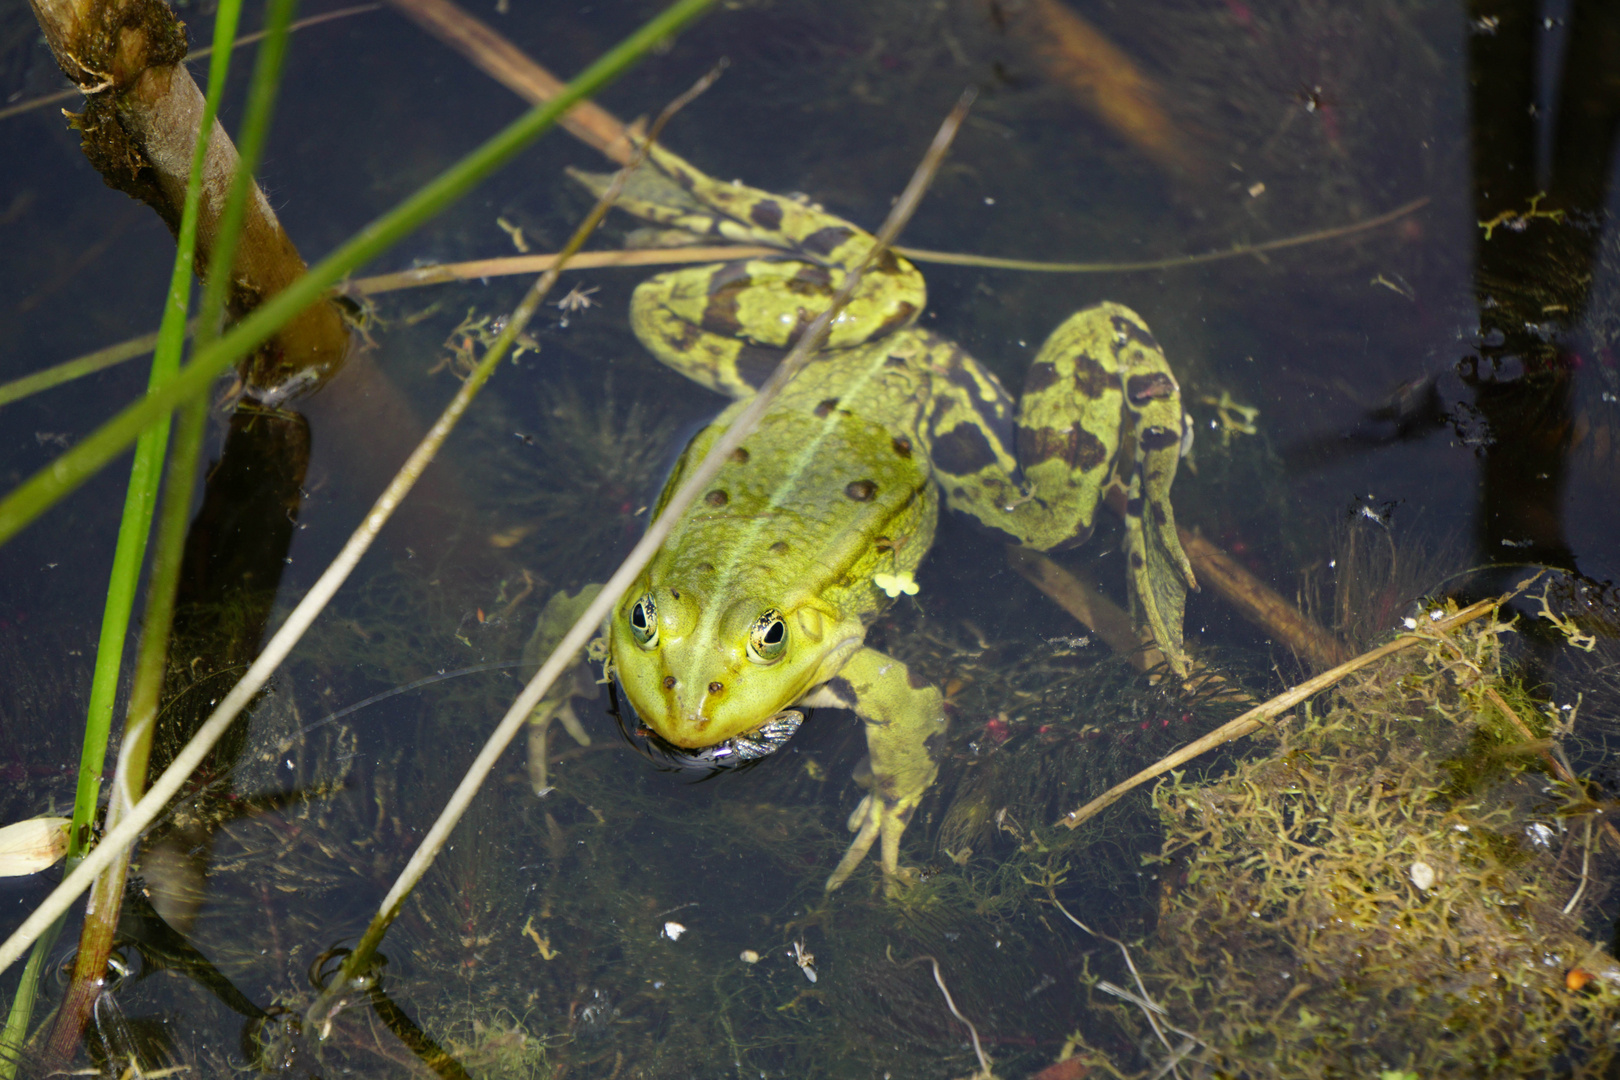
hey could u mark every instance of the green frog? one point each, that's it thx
(760, 599)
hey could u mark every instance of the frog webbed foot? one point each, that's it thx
(558, 615)
(876, 818)
(555, 708)
(1160, 575)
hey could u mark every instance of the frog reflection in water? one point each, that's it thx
(760, 598)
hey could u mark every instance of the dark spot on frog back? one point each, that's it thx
(1079, 448)
(1130, 330)
(825, 241)
(1091, 379)
(825, 407)
(962, 451)
(1154, 386)
(767, 214)
(1159, 438)
(902, 445)
(842, 691)
(1042, 374)
(740, 455)
(716, 498)
(725, 291)
(861, 490)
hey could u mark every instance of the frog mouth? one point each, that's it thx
(737, 752)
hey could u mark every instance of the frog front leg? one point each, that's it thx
(905, 734)
(559, 614)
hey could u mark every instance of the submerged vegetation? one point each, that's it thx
(1396, 884)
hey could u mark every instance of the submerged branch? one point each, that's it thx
(1262, 605)
(140, 126)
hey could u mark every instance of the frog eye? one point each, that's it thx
(644, 622)
(768, 638)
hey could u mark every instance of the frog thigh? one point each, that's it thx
(905, 733)
(968, 428)
(725, 363)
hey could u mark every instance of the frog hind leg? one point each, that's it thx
(1100, 416)
(905, 734)
(727, 326)
(1160, 573)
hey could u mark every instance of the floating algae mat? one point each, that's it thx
(1397, 888)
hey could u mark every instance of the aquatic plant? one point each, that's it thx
(1394, 885)
(578, 486)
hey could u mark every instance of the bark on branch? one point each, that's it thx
(139, 129)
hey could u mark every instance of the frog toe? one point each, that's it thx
(866, 825)
(857, 817)
(874, 820)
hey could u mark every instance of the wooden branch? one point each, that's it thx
(139, 128)
(1095, 611)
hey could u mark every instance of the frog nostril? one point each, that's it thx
(669, 682)
(715, 688)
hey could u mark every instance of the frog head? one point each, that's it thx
(700, 674)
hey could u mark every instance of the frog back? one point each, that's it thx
(829, 491)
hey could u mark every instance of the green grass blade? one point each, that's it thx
(136, 524)
(37, 494)
(78, 367)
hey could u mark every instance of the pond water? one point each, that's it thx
(1415, 397)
